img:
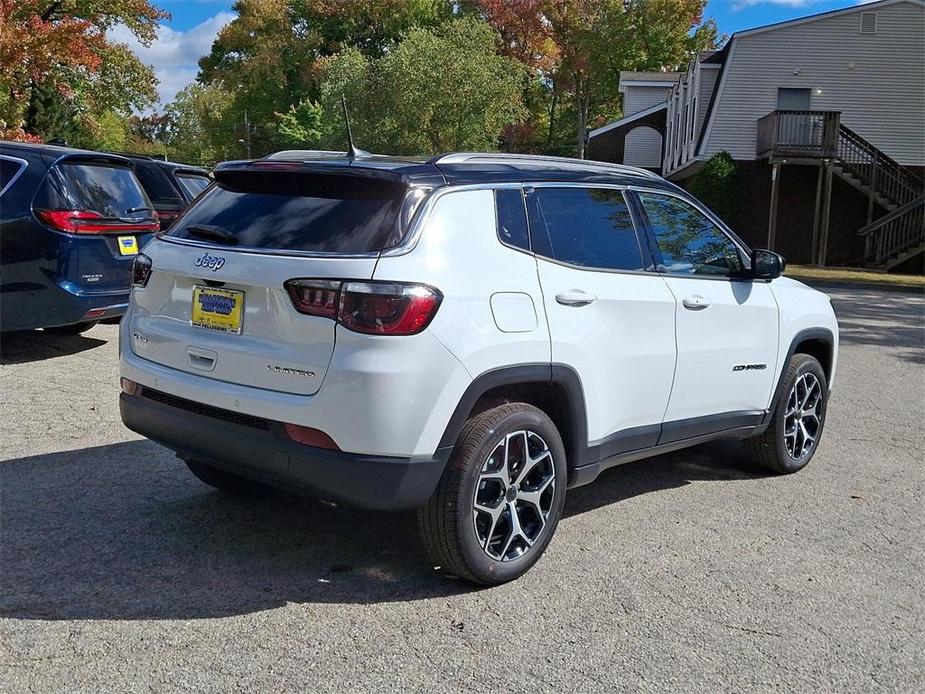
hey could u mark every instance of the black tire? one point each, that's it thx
(72, 329)
(220, 479)
(448, 522)
(770, 449)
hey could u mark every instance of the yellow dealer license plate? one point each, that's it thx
(218, 309)
(128, 245)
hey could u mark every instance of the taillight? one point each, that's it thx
(166, 219)
(374, 308)
(141, 270)
(86, 222)
(387, 309)
(315, 297)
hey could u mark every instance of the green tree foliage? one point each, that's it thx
(300, 126)
(442, 90)
(198, 129)
(716, 184)
(425, 75)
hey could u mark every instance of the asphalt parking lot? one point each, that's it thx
(694, 571)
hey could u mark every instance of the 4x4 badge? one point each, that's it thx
(213, 262)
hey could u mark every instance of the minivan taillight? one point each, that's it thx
(86, 222)
(373, 307)
(166, 218)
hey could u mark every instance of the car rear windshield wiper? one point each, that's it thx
(140, 208)
(208, 231)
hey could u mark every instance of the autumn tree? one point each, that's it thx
(589, 42)
(58, 69)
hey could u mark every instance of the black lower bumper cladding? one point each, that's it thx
(259, 449)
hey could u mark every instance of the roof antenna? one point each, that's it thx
(352, 152)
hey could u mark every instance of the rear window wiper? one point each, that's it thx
(140, 208)
(214, 233)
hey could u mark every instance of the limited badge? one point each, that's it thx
(128, 245)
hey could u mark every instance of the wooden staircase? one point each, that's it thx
(898, 235)
(819, 138)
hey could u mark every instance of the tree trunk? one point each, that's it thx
(583, 100)
(552, 115)
(32, 111)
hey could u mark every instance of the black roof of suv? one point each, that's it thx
(458, 168)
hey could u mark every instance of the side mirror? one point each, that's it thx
(767, 265)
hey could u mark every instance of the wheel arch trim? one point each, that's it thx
(826, 336)
(523, 374)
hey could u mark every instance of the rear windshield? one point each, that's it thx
(157, 184)
(300, 212)
(193, 184)
(109, 190)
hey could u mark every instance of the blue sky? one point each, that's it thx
(194, 24)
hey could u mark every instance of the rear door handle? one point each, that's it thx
(695, 302)
(202, 358)
(575, 297)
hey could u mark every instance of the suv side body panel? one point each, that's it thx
(460, 254)
(805, 314)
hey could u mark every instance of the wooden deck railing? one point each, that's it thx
(798, 134)
(876, 169)
(895, 233)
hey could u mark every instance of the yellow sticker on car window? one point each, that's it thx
(128, 245)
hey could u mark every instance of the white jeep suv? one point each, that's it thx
(469, 335)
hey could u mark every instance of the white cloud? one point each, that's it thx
(174, 55)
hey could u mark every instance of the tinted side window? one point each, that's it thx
(8, 169)
(590, 227)
(688, 241)
(512, 218)
(157, 184)
(193, 185)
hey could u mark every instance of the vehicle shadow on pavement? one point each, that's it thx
(897, 322)
(124, 531)
(37, 345)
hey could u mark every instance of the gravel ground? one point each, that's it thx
(119, 571)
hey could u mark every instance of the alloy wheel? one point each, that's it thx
(803, 416)
(514, 495)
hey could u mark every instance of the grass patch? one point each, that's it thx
(848, 275)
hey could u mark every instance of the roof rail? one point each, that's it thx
(300, 154)
(535, 159)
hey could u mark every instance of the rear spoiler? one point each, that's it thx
(191, 171)
(95, 158)
(359, 168)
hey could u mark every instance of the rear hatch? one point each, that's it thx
(104, 217)
(215, 303)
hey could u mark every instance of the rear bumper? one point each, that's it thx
(259, 449)
(58, 305)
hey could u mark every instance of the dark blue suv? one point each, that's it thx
(71, 223)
